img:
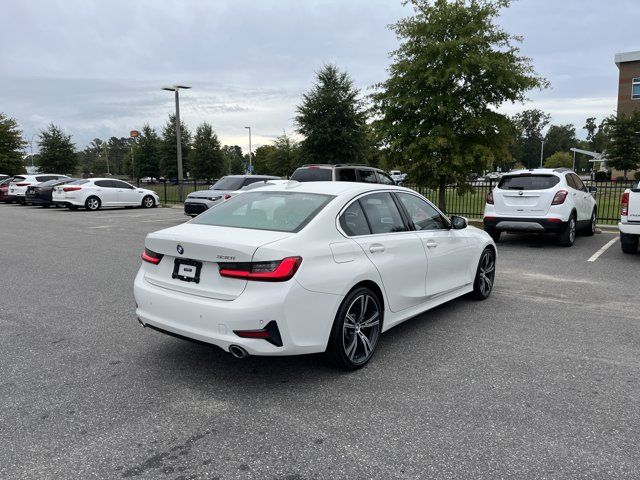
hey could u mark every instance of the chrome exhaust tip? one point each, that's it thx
(238, 351)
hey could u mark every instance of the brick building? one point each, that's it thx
(628, 87)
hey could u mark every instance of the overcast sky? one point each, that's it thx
(96, 68)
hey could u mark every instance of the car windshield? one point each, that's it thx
(528, 182)
(277, 211)
(228, 183)
(312, 174)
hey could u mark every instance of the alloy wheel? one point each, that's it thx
(572, 230)
(486, 273)
(148, 202)
(93, 203)
(361, 329)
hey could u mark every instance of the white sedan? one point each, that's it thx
(309, 267)
(94, 193)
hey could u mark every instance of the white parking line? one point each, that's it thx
(596, 255)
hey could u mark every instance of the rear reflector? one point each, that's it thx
(624, 204)
(71, 189)
(275, 271)
(270, 333)
(560, 197)
(555, 220)
(151, 257)
(226, 196)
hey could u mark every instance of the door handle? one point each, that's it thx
(376, 248)
(431, 244)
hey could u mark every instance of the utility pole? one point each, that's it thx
(176, 88)
(250, 165)
(541, 153)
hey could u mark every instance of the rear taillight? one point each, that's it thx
(275, 271)
(22, 184)
(624, 204)
(490, 198)
(151, 257)
(227, 196)
(71, 189)
(560, 197)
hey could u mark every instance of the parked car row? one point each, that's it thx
(59, 190)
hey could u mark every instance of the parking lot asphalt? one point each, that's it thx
(540, 381)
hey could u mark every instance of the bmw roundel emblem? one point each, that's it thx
(180, 249)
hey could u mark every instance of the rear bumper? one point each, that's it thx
(304, 318)
(524, 224)
(629, 228)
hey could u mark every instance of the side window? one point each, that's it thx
(103, 183)
(385, 179)
(44, 178)
(120, 184)
(423, 215)
(368, 176)
(382, 213)
(353, 221)
(346, 175)
(571, 182)
(579, 185)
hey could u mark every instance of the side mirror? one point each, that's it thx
(458, 223)
(593, 189)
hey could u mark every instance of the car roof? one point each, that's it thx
(340, 165)
(332, 188)
(540, 171)
(273, 177)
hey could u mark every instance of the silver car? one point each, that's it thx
(226, 187)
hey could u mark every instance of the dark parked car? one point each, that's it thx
(4, 190)
(41, 194)
(341, 173)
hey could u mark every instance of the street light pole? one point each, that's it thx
(250, 165)
(541, 152)
(176, 88)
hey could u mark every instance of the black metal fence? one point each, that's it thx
(469, 204)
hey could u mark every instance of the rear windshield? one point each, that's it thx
(277, 211)
(528, 182)
(18, 178)
(228, 183)
(311, 174)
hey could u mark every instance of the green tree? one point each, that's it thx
(332, 119)
(169, 148)
(285, 157)
(437, 113)
(146, 153)
(57, 151)
(596, 134)
(11, 146)
(206, 160)
(558, 160)
(261, 163)
(234, 161)
(559, 138)
(529, 125)
(623, 150)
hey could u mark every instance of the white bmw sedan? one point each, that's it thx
(94, 193)
(309, 267)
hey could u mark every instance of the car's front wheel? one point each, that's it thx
(591, 229)
(356, 329)
(92, 203)
(485, 275)
(148, 202)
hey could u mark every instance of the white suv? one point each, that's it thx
(19, 184)
(629, 225)
(541, 201)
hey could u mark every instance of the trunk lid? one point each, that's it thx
(525, 195)
(634, 205)
(203, 247)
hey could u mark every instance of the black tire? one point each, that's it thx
(73, 207)
(568, 236)
(590, 230)
(493, 233)
(356, 329)
(21, 201)
(92, 203)
(148, 202)
(485, 275)
(629, 243)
